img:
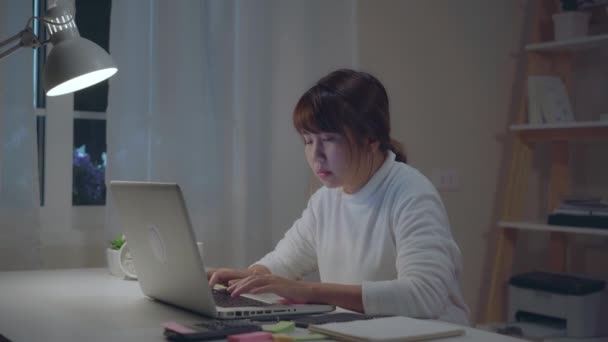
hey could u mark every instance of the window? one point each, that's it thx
(89, 162)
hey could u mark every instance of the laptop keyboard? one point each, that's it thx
(222, 298)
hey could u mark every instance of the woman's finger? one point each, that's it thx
(246, 284)
(233, 281)
(224, 275)
(240, 286)
(213, 279)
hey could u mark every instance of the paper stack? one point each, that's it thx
(388, 329)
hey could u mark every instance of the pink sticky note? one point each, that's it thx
(178, 328)
(258, 336)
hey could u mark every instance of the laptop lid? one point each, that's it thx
(169, 267)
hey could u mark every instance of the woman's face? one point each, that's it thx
(329, 157)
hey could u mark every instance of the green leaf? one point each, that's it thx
(118, 242)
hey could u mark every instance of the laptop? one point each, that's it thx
(169, 267)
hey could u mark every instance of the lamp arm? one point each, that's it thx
(19, 38)
(26, 37)
(15, 37)
(9, 51)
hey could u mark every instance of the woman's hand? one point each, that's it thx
(227, 276)
(294, 292)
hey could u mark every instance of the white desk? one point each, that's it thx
(91, 305)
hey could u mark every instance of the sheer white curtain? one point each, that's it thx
(19, 201)
(204, 96)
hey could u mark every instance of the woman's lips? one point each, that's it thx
(323, 173)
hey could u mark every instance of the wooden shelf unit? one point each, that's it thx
(541, 56)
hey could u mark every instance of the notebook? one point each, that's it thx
(388, 329)
(169, 267)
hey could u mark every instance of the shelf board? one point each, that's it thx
(563, 131)
(552, 228)
(583, 43)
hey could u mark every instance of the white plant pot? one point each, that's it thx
(571, 24)
(113, 260)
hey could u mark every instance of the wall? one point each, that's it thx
(448, 68)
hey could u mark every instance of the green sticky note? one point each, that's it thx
(280, 327)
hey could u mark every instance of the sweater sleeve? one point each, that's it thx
(295, 254)
(428, 262)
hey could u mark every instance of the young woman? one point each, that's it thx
(377, 230)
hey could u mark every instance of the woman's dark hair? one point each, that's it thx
(348, 101)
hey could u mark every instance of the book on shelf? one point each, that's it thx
(600, 209)
(593, 3)
(580, 211)
(388, 329)
(581, 199)
(582, 206)
(548, 100)
(587, 221)
(565, 211)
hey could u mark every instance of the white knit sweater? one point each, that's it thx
(392, 237)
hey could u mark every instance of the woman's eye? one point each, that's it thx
(307, 142)
(328, 139)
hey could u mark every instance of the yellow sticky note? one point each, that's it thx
(282, 338)
(281, 327)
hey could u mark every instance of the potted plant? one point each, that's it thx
(113, 256)
(571, 23)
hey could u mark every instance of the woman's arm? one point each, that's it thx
(428, 264)
(295, 291)
(345, 296)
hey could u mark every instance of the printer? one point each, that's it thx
(573, 305)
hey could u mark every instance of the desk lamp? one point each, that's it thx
(74, 62)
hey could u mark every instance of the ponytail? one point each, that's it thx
(398, 150)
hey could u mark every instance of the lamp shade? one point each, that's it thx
(74, 64)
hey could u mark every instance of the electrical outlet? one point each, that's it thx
(446, 179)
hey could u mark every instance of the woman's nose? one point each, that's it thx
(318, 151)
